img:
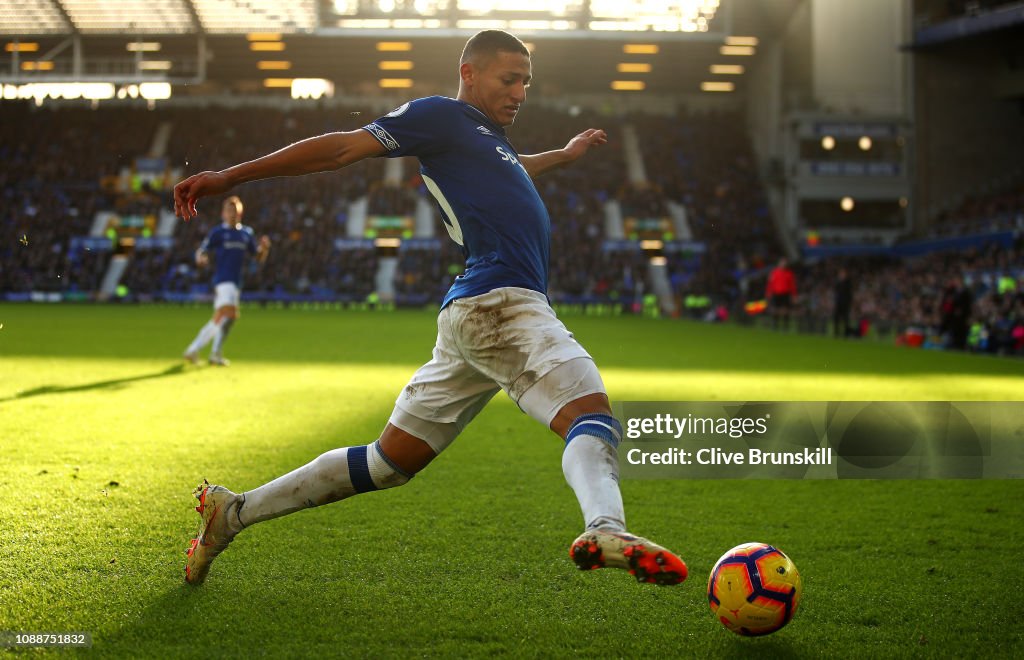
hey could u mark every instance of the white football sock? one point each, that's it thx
(223, 328)
(331, 477)
(591, 466)
(206, 333)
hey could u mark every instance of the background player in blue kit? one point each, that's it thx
(496, 329)
(230, 242)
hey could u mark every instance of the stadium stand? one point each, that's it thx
(914, 299)
(64, 217)
(1000, 211)
(704, 162)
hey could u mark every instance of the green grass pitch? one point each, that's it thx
(103, 434)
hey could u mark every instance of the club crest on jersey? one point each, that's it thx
(400, 110)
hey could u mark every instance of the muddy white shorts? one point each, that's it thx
(226, 293)
(507, 339)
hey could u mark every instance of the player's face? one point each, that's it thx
(229, 214)
(499, 86)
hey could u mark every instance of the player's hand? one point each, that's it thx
(580, 144)
(187, 192)
(264, 242)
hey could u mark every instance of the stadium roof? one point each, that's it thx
(237, 45)
(32, 17)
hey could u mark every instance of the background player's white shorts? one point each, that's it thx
(226, 293)
(507, 339)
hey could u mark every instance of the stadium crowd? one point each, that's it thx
(979, 214)
(966, 301)
(52, 188)
(705, 162)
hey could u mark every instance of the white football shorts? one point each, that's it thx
(226, 293)
(507, 339)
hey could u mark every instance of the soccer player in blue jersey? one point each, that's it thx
(496, 329)
(230, 242)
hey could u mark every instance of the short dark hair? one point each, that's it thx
(488, 42)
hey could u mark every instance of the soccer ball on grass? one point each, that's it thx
(754, 589)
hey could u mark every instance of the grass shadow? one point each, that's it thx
(168, 625)
(770, 646)
(114, 383)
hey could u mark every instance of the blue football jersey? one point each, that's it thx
(229, 246)
(487, 200)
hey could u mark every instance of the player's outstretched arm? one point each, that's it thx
(317, 154)
(537, 164)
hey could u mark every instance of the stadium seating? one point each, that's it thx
(54, 189)
(911, 298)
